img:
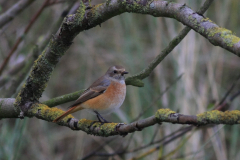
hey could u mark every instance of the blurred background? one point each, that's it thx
(133, 41)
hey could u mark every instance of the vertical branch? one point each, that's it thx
(46, 62)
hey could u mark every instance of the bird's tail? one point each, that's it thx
(71, 110)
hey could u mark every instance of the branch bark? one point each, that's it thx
(42, 111)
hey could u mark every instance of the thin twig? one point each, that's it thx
(19, 40)
(224, 104)
(163, 141)
(156, 99)
(97, 149)
(12, 12)
(230, 90)
(16, 80)
(147, 71)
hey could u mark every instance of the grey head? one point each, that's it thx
(116, 73)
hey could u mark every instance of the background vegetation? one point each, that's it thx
(132, 40)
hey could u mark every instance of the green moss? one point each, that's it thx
(134, 82)
(225, 34)
(105, 129)
(190, 18)
(79, 16)
(218, 117)
(196, 23)
(163, 114)
(136, 6)
(207, 20)
(47, 113)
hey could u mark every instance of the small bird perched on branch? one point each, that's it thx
(104, 96)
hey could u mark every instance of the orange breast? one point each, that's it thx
(111, 99)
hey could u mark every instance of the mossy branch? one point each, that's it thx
(86, 18)
(136, 80)
(73, 24)
(42, 111)
(63, 99)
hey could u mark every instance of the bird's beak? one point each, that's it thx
(124, 72)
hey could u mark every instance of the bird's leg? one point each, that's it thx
(100, 117)
(99, 120)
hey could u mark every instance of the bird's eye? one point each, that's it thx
(114, 71)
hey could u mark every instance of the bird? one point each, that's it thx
(104, 96)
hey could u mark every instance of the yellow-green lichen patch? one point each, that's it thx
(84, 125)
(105, 129)
(225, 34)
(163, 114)
(196, 24)
(18, 98)
(232, 116)
(85, 122)
(190, 17)
(207, 20)
(39, 109)
(80, 13)
(56, 112)
(218, 117)
(97, 6)
(49, 114)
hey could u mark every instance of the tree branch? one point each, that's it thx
(87, 17)
(63, 99)
(9, 89)
(19, 40)
(42, 111)
(71, 26)
(6, 108)
(14, 11)
(135, 80)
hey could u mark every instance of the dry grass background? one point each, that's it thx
(132, 40)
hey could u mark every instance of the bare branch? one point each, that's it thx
(9, 89)
(19, 40)
(6, 108)
(12, 12)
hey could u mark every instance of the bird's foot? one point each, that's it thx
(92, 124)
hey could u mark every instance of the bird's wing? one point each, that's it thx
(96, 89)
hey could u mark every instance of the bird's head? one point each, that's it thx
(116, 72)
